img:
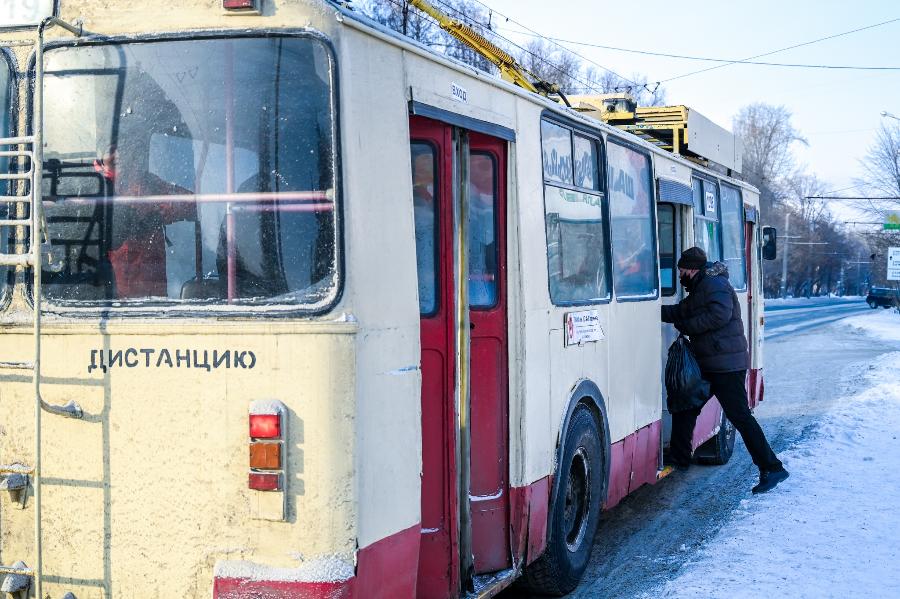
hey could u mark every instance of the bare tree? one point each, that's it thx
(881, 173)
(550, 63)
(768, 136)
(608, 82)
(401, 17)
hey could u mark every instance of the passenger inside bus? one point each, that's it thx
(137, 251)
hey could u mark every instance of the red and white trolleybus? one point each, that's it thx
(294, 307)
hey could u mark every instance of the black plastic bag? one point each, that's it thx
(685, 387)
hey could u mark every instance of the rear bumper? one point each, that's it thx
(243, 588)
(385, 569)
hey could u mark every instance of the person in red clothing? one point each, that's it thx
(138, 249)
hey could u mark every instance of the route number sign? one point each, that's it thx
(893, 264)
(24, 13)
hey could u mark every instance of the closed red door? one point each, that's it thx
(489, 486)
(431, 151)
(434, 194)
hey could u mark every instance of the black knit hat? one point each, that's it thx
(692, 258)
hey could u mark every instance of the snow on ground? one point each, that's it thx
(808, 301)
(833, 528)
(884, 324)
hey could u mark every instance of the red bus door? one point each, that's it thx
(489, 486)
(749, 245)
(483, 530)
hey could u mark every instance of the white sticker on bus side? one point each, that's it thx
(583, 327)
(459, 93)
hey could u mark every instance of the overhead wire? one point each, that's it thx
(557, 68)
(569, 50)
(815, 41)
(710, 59)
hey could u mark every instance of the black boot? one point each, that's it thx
(768, 479)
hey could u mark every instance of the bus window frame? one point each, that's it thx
(596, 137)
(718, 218)
(653, 224)
(211, 311)
(742, 220)
(663, 290)
(9, 58)
(438, 304)
(495, 188)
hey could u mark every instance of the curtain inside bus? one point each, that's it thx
(191, 171)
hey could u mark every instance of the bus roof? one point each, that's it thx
(360, 21)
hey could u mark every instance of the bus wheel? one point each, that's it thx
(575, 512)
(717, 451)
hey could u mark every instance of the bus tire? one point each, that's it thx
(575, 512)
(717, 451)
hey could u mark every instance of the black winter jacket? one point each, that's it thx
(711, 316)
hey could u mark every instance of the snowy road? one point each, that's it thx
(702, 533)
(791, 317)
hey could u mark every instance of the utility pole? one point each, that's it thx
(784, 254)
(843, 283)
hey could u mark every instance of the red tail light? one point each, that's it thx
(265, 426)
(264, 481)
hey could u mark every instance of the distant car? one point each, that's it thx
(881, 296)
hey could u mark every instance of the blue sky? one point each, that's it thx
(838, 111)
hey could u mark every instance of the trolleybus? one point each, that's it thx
(294, 307)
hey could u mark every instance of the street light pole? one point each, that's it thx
(784, 255)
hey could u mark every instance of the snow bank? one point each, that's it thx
(883, 324)
(833, 528)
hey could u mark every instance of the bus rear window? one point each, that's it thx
(191, 171)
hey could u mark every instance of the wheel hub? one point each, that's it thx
(578, 500)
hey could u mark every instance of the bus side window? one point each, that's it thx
(706, 218)
(574, 212)
(631, 223)
(665, 214)
(733, 236)
(425, 191)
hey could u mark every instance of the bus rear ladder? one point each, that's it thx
(22, 151)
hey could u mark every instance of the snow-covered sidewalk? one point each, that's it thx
(833, 528)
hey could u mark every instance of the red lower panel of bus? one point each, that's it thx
(385, 570)
(638, 453)
(710, 417)
(242, 588)
(755, 387)
(528, 520)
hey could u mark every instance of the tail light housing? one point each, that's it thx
(242, 7)
(266, 478)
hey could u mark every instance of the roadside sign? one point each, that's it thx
(892, 220)
(893, 264)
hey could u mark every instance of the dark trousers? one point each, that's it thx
(729, 389)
